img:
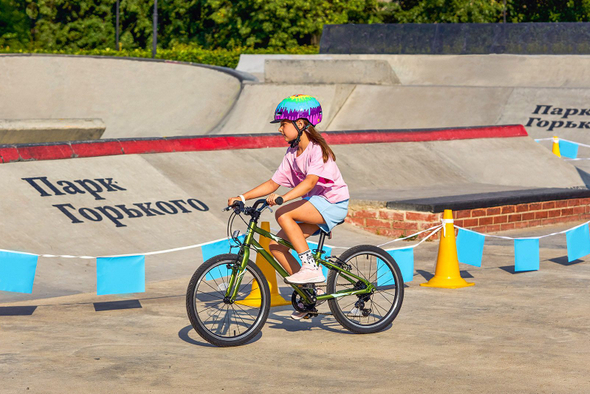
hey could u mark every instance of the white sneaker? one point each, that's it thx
(296, 315)
(307, 274)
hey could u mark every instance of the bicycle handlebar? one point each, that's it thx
(239, 206)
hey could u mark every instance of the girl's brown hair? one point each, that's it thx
(316, 137)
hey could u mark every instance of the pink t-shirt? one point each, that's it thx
(293, 171)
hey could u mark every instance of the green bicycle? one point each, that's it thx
(364, 288)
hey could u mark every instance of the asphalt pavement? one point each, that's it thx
(511, 332)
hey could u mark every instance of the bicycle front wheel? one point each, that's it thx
(215, 319)
(367, 313)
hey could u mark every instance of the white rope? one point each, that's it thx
(424, 239)
(438, 226)
(410, 236)
(562, 139)
(435, 229)
(207, 243)
(66, 256)
(12, 251)
(511, 238)
(577, 143)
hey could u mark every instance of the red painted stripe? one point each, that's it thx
(99, 148)
(131, 147)
(426, 135)
(208, 143)
(9, 154)
(45, 152)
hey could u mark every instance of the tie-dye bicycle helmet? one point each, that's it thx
(299, 106)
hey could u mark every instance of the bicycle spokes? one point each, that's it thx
(216, 313)
(376, 296)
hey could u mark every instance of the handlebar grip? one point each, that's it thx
(279, 200)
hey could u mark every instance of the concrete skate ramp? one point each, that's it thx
(44, 211)
(291, 71)
(49, 130)
(547, 94)
(254, 110)
(557, 71)
(134, 98)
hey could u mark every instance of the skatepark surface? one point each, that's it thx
(512, 332)
(42, 220)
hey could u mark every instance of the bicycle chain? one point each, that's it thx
(311, 315)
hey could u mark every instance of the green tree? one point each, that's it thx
(90, 24)
(14, 24)
(486, 11)
(548, 10)
(136, 22)
(259, 23)
(71, 24)
(443, 11)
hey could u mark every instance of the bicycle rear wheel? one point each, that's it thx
(217, 321)
(367, 313)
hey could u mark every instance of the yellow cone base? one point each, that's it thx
(447, 283)
(555, 147)
(254, 301)
(447, 275)
(277, 300)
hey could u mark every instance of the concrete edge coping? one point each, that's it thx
(328, 71)
(242, 76)
(106, 147)
(484, 200)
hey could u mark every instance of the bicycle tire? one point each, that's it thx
(211, 317)
(377, 266)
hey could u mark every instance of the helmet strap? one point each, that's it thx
(294, 143)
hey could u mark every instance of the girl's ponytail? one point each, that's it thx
(317, 138)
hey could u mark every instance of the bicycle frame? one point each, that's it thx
(250, 242)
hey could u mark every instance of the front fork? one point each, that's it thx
(243, 258)
(238, 272)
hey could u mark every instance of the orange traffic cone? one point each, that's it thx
(447, 265)
(253, 299)
(555, 148)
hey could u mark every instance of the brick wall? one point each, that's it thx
(395, 224)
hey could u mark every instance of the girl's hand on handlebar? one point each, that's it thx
(271, 199)
(232, 200)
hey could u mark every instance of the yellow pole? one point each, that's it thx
(253, 299)
(555, 148)
(447, 273)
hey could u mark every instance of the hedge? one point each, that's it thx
(184, 53)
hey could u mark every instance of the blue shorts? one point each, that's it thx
(333, 214)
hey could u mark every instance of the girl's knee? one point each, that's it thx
(281, 216)
(275, 247)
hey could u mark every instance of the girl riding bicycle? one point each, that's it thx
(310, 170)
